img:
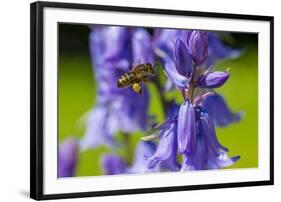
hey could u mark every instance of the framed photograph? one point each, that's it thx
(134, 100)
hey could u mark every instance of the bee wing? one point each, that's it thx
(139, 68)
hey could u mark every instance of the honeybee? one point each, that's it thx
(134, 78)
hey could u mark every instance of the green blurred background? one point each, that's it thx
(77, 89)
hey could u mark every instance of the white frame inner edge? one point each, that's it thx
(53, 185)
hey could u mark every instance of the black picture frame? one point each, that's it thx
(36, 98)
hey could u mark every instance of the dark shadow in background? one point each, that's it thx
(74, 39)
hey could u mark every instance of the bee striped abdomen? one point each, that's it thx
(125, 80)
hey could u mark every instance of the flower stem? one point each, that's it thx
(191, 86)
(126, 139)
(191, 91)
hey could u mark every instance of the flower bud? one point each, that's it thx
(198, 47)
(213, 79)
(183, 60)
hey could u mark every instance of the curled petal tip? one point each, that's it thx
(235, 158)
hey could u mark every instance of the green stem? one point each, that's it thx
(191, 89)
(126, 139)
(191, 86)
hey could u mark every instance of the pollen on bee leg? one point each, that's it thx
(137, 88)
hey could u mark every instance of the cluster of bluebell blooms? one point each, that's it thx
(186, 140)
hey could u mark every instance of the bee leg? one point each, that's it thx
(137, 88)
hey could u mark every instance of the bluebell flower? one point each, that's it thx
(179, 80)
(179, 68)
(183, 59)
(208, 153)
(163, 45)
(184, 47)
(178, 71)
(67, 158)
(190, 132)
(198, 46)
(114, 50)
(194, 137)
(166, 152)
(212, 79)
(189, 53)
(167, 145)
(219, 111)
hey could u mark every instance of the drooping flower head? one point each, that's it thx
(114, 51)
(166, 152)
(167, 145)
(207, 153)
(191, 134)
(191, 131)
